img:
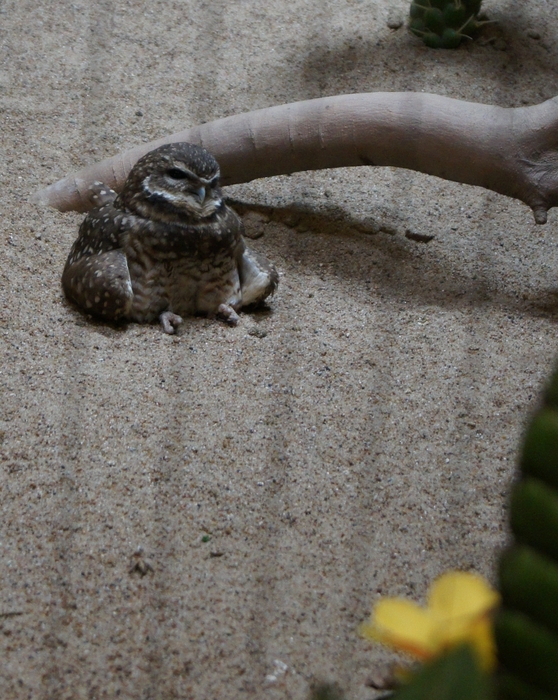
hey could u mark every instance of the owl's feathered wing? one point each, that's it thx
(258, 277)
(96, 275)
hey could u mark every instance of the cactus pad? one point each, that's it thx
(442, 24)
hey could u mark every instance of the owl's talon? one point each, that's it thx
(227, 313)
(170, 322)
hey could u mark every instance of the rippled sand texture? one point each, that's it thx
(211, 515)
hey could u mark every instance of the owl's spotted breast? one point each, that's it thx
(167, 246)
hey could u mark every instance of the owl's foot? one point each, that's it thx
(170, 322)
(228, 314)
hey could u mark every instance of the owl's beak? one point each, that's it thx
(200, 194)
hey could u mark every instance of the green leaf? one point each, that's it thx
(540, 448)
(551, 393)
(512, 688)
(454, 676)
(529, 584)
(534, 516)
(527, 650)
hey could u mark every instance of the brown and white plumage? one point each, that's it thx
(166, 246)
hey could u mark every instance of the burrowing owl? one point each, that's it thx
(166, 246)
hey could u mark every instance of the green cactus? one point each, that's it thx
(442, 24)
(526, 627)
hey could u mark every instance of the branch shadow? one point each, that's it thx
(379, 255)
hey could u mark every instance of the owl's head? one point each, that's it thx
(178, 181)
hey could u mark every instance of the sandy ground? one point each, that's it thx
(196, 516)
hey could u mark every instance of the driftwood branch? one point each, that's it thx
(513, 151)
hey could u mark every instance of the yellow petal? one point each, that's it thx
(403, 625)
(481, 637)
(459, 595)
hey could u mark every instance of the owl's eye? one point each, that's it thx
(177, 174)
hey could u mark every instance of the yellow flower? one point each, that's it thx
(458, 611)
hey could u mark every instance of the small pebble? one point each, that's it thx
(257, 332)
(139, 113)
(394, 20)
(533, 34)
(254, 224)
